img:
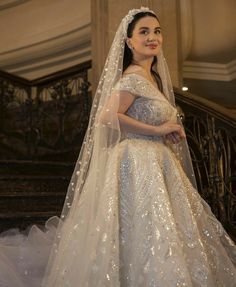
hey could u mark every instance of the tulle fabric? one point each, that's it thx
(24, 255)
(85, 248)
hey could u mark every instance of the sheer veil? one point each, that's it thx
(91, 209)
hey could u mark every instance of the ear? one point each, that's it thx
(128, 42)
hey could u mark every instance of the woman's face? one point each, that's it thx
(146, 38)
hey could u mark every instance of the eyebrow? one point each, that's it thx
(148, 28)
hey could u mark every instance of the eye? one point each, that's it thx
(158, 31)
(145, 32)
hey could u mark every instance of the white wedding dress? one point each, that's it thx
(167, 234)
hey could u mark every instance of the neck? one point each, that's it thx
(144, 63)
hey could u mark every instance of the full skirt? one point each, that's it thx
(152, 228)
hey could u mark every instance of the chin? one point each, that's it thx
(154, 53)
(151, 55)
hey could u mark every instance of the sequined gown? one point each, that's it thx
(168, 235)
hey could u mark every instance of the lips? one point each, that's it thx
(152, 46)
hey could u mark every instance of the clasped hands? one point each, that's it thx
(173, 132)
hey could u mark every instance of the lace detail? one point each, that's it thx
(164, 225)
(150, 106)
(150, 229)
(140, 86)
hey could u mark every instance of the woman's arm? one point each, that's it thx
(129, 124)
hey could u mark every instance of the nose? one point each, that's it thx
(152, 37)
(152, 40)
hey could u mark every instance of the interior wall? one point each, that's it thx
(214, 30)
(39, 37)
(209, 49)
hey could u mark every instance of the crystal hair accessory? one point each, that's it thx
(130, 16)
(133, 12)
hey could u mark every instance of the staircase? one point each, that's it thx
(42, 126)
(211, 135)
(31, 191)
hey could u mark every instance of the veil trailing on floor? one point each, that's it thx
(87, 210)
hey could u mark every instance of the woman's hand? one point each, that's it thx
(173, 138)
(170, 130)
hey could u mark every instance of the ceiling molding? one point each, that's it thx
(77, 33)
(6, 4)
(210, 71)
(72, 47)
(77, 39)
(53, 60)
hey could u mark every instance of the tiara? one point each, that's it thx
(130, 16)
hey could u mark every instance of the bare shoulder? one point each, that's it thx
(134, 69)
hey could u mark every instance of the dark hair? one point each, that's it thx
(128, 56)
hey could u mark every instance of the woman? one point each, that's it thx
(132, 215)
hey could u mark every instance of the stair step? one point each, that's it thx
(23, 186)
(31, 192)
(31, 215)
(43, 168)
(28, 205)
(32, 177)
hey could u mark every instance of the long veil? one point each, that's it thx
(91, 209)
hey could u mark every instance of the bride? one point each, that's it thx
(132, 215)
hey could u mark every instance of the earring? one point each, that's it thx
(131, 47)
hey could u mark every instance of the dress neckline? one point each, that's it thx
(149, 82)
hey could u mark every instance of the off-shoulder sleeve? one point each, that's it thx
(136, 85)
(126, 84)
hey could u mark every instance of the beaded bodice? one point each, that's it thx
(150, 105)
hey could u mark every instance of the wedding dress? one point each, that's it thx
(167, 234)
